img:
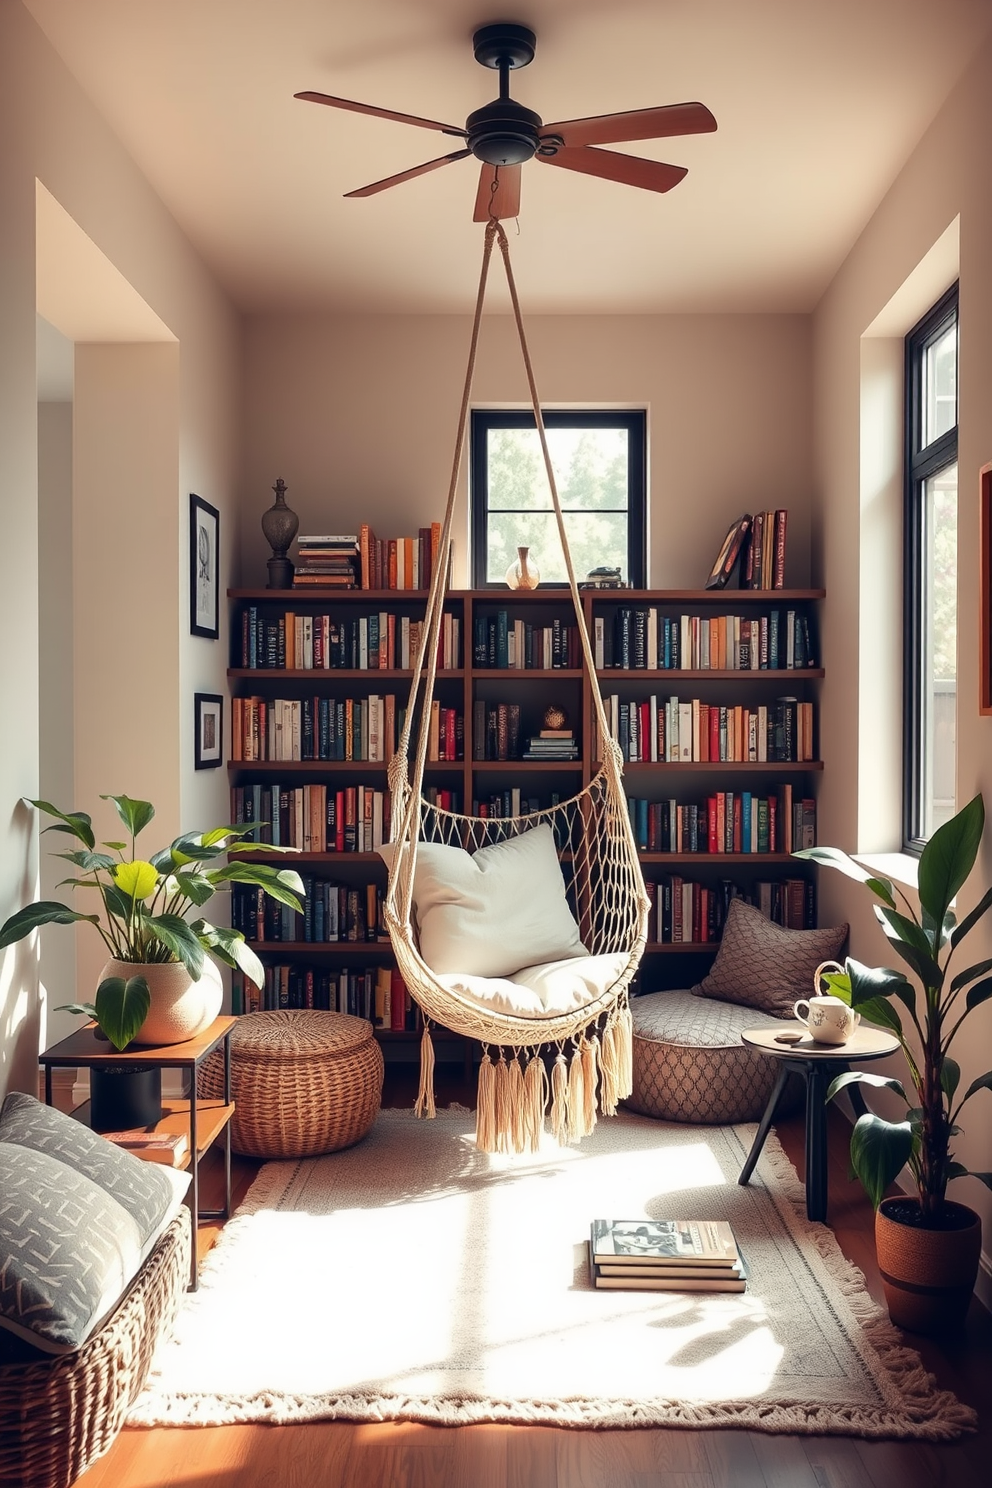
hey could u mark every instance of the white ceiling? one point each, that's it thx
(818, 104)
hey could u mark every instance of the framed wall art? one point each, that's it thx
(204, 547)
(985, 593)
(208, 715)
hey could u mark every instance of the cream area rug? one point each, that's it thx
(415, 1278)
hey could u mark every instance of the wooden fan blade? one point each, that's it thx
(631, 170)
(504, 200)
(379, 113)
(408, 175)
(637, 124)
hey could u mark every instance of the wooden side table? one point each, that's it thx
(818, 1064)
(203, 1121)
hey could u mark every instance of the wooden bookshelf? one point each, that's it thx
(464, 682)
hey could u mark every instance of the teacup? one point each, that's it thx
(829, 1020)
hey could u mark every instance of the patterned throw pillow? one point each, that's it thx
(761, 965)
(78, 1216)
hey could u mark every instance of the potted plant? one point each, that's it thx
(161, 984)
(928, 1245)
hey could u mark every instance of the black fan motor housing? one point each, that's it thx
(503, 132)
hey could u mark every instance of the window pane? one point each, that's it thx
(940, 397)
(940, 602)
(594, 538)
(590, 468)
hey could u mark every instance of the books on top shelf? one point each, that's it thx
(378, 641)
(675, 1255)
(326, 561)
(398, 562)
(758, 543)
(154, 1146)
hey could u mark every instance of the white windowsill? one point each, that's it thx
(900, 866)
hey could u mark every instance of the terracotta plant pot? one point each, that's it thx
(928, 1275)
(180, 1008)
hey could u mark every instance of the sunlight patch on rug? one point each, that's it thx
(415, 1278)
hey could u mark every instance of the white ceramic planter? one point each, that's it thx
(180, 1007)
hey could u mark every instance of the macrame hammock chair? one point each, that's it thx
(589, 1047)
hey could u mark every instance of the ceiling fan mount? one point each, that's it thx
(504, 134)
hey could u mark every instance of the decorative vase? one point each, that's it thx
(524, 574)
(280, 524)
(928, 1275)
(180, 1008)
(123, 1096)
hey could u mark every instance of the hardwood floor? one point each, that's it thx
(405, 1455)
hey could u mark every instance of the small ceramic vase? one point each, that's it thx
(524, 574)
(280, 524)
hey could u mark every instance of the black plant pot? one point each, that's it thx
(124, 1096)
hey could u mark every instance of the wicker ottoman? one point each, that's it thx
(302, 1082)
(690, 1064)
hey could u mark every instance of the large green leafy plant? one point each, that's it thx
(925, 1014)
(147, 903)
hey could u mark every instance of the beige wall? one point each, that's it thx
(358, 415)
(947, 177)
(50, 132)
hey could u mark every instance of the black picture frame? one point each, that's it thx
(204, 549)
(208, 730)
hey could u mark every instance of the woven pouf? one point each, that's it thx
(690, 1064)
(302, 1082)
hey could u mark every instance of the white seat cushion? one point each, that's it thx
(547, 990)
(487, 914)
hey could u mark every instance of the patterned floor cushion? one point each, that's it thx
(690, 1064)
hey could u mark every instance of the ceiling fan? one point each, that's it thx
(503, 134)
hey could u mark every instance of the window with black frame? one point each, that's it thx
(930, 578)
(599, 459)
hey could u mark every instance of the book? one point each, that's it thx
(662, 1279)
(729, 552)
(162, 1147)
(664, 1243)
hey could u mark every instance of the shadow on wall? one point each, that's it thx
(20, 1002)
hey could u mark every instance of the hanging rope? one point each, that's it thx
(594, 837)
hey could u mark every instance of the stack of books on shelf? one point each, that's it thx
(376, 993)
(670, 1255)
(518, 645)
(154, 1146)
(640, 638)
(398, 562)
(326, 562)
(675, 730)
(552, 744)
(763, 553)
(726, 822)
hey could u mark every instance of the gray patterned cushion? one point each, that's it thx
(690, 1064)
(761, 965)
(78, 1216)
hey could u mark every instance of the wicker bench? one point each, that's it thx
(690, 1064)
(59, 1413)
(302, 1082)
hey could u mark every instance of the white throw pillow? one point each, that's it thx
(548, 990)
(492, 912)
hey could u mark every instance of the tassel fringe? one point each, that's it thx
(485, 1117)
(625, 1050)
(576, 1097)
(559, 1099)
(424, 1105)
(515, 1101)
(590, 1060)
(535, 1101)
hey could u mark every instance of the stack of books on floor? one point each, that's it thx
(669, 1255)
(552, 744)
(326, 561)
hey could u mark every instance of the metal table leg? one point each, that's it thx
(764, 1125)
